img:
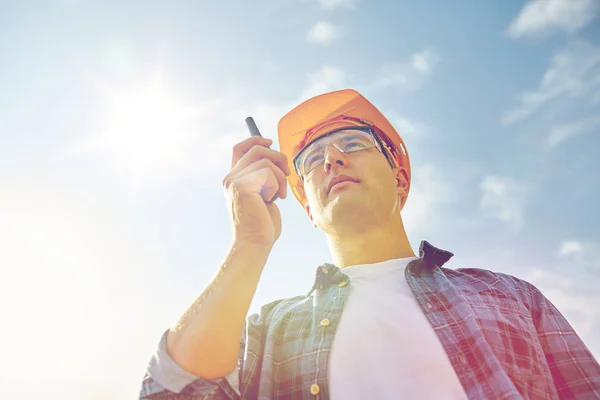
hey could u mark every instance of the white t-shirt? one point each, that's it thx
(384, 347)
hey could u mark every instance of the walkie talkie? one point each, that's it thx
(255, 132)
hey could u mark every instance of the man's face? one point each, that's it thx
(368, 189)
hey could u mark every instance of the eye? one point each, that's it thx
(312, 161)
(355, 145)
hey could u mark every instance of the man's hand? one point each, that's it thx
(258, 175)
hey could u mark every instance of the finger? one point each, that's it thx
(257, 153)
(271, 187)
(281, 179)
(243, 147)
(279, 175)
(261, 181)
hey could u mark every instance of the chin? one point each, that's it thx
(358, 210)
(348, 208)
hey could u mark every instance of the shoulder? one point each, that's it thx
(479, 279)
(486, 276)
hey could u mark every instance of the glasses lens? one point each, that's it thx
(346, 141)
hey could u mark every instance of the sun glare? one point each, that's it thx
(146, 131)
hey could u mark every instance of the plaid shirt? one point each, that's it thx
(503, 337)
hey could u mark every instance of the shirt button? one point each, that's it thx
(462, 358)
(343, 284)
(429, 305)
(314, 389)
(324, 322)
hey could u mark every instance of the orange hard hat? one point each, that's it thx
(322, 114)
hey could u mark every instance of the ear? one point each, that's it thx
(307, 209)
(401, 181)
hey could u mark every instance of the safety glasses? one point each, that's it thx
(346, 140)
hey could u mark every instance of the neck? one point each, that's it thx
(376, 244)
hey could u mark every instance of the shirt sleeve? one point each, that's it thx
(165, 379)
(575, 371)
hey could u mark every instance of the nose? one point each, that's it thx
(333, 157)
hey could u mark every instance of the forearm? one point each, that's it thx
(205, 341)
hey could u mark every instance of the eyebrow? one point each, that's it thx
(333, 133)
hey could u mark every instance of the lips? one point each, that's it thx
(339, 179)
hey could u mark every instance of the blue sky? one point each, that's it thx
(117, 120)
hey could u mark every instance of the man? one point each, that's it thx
(379, 324)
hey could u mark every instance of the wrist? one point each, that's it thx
(251, 247)
(251, 253)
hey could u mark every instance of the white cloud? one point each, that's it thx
(410, 74)
(404, 126)
(335, 4)
(504, 199)
(323, 33)
(564, 132)
(327, 79)
(424, 61)
(429, 190)
(408, 128)
(570, 247)
(586, 253)
(541, 16)
(574, 73)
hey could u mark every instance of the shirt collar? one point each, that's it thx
(429, 258)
